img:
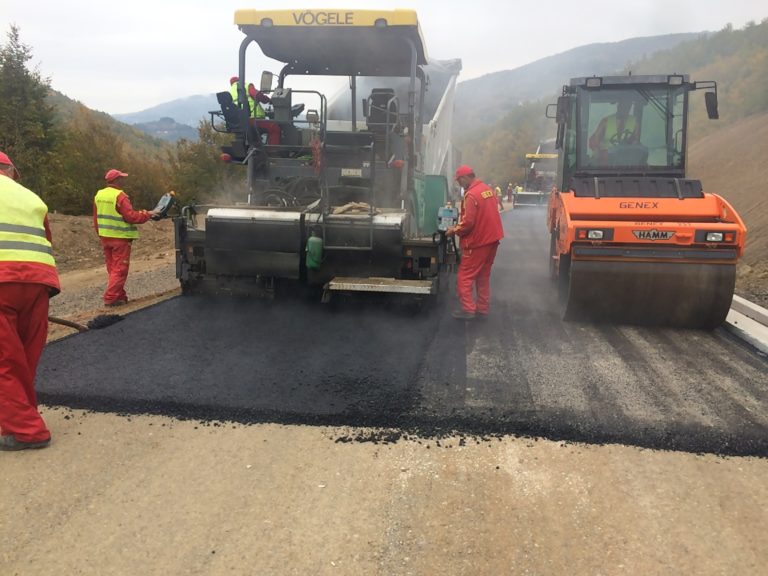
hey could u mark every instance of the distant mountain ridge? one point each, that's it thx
(167, 129)
(188, 110)
(484, 100)
(480, 100)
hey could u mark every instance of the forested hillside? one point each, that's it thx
(736, 59)
(63, 149)
(728, 162)
(483, 101)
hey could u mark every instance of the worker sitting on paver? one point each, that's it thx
(257, 115)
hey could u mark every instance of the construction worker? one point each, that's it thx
(272, 129)
(115, 221)
(255, 101)
(499, 197)
(28, 278)
(480, 231)
(256, 110)
(614, 130)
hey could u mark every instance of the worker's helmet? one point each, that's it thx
(113, 174)
(464, 170)
(5, 161)
(233, 79)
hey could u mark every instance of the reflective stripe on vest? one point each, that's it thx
(22, 228)
(611, 136)
(255, 108)
(109, 220)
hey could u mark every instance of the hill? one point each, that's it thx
(483, 101)
(727, 162)
(84, 143)
(167, 129)
(188, 110)
(67, 111)
(175, 119)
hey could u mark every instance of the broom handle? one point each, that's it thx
(69, 323)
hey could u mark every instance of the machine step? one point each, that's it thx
(387, 285)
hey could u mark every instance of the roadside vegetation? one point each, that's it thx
(736, 59)
(62, 148)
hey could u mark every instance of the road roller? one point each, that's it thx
(632, 239)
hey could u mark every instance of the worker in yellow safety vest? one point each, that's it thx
(28, 278)
(115, 221)
(614, 130)
(256, 111)
(255, 99)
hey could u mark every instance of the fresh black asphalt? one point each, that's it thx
(381, 373)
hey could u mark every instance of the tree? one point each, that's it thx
(26, 121)
(199, 174)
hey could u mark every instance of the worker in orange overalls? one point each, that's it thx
(480, 230)
(115, 221)
(28, 279)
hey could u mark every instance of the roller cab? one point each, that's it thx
(632, 239)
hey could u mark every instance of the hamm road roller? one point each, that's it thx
(632, 239)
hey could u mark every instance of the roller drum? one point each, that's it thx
(689, 295)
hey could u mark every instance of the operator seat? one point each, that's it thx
(382, 118)
(382, 111)
(229, 111)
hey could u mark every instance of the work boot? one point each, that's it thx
(10, 444)
(116, 303)
(463, 315)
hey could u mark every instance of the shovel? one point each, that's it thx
(101, 321)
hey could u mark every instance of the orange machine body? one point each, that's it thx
(632, 239)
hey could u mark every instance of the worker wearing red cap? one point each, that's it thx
(28, 279)
(256, 111)
(115, 221)
(480, 230)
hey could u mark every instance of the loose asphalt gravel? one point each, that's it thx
(382, 374)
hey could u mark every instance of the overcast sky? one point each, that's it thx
(133, 54)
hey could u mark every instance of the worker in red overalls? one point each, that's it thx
(28, 279)
(115, 221)
(480, 230)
